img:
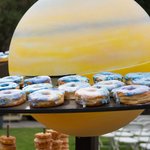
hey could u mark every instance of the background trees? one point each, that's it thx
(11, 12)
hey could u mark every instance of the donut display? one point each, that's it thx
(35, 87)
(46, 98)
(12, 97)
(37, 80)
(71, 87)
(103, 76)
(72, 78)
(136, 76)
(91, 96)
(132, 94)
(109, 84)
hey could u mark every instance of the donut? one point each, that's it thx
(43, 141)
(3, 57)
(16, 79)
(132, 94)
(71, 87)
(91, 96)
(142, 81)
(109, 84)
(46, 98)
(12, 97)
(72, 78)
(37, 80)
(35, 87)
(8, 85)
(103, 76)
(135, 76)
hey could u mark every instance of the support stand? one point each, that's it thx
(87, 143)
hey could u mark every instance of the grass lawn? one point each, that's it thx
(25, 138)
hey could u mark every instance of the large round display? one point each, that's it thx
(58, 37)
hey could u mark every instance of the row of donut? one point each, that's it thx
(4, 56)
(48, 140)
(38, 90)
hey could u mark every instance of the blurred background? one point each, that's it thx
(11, 11)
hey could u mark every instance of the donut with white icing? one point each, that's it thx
(35, 87)
(142, 81)
(12, 97)
(37, 80)
(135, 76)
(132, 94)
(91, 96)
(16, 79)
(46, 98)
(103, 76)
(71, 87)
(109, 84)
(72, 78)
(3, 57)
(8, 85)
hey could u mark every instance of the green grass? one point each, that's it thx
(25, 137)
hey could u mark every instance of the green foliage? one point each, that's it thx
(11, 12)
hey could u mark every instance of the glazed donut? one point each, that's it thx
(7, 143)
(8, 85)
(12, 97)
(3, 57)
(109, 84)
(72, 78)
(142, 81)
(135, 76)
(132, 94)
(46, 98)
(91, 96)
(35, 87)
(16, 79)
(103, 76)
(37, 80)
(43, 141)
(71, 87)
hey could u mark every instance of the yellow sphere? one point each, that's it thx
(58, 37)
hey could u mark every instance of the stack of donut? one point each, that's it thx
(43, 141)
(7, 142)
(60, 141)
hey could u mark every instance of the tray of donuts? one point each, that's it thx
(74, 93)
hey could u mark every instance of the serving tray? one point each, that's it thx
(70, 106)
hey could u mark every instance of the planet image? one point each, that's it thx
(59, 37)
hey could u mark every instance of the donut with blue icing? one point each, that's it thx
(72, 78)
(91, 96)
(8, 85)
(3, 57)
(109, 84)
(142, 81)
(35, 87)
(103, 76)
(37, 80)
(46, 98)
(12, 97)
(16, 79)
(71, 87)
(135, 76)
(132, 94)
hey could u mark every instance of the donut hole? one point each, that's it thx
(131, 88)
(72, 85)
(45, 93)
(7, 92)
(5, 84)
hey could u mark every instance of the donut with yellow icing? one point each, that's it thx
(91, 96)
(46, 98)
(132, 94)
